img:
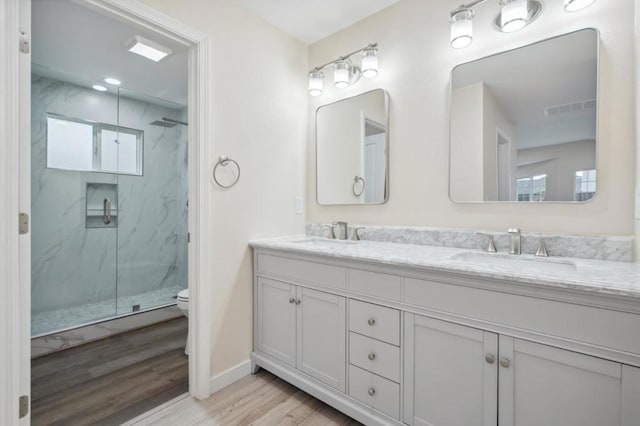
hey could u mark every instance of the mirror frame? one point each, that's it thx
(597, 156)
(387, 139)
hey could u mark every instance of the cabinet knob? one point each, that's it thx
(505, 362)
(372, 356)
(371, 391)
(292, 300)
(371, 321)
(297, 301)
(490, 358)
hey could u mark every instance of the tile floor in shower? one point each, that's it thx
(60, 319)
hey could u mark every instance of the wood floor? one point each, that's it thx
(260, 399)
(113, 380)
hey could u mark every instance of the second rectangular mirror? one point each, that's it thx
(352, 145)
(523, 123)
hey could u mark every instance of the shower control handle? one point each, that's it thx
(106, 206)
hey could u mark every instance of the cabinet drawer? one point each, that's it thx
(375, 391)
(375, 356)
(375, 321)
(375, 284)
(327, 275)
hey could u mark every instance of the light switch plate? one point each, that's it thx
(299, 205)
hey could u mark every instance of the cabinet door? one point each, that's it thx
(322, 336)
(277, 320)
(451, 374)
(543, 385)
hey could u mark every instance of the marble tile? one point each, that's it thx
(82, 269)
(602, 277)
(617, 248)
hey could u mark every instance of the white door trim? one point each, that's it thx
(200, 203)
(13, 362)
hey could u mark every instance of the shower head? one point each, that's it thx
(168, 122)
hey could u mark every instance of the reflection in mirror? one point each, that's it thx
(352, 138)
(523, 123)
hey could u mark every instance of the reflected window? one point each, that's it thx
(585, 185)
(93, 147)
(532, 188)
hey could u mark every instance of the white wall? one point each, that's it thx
(415, 65)
(259, 118)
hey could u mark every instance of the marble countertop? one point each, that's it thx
(592, 276)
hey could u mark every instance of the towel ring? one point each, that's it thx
(355, 182)
(224, 161)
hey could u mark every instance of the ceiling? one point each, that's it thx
(80, 45)
(313, 20)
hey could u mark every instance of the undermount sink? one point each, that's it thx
(533, 264)
(322, 241)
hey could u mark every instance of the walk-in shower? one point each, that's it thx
(109, 203)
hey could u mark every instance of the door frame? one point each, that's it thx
(15, 182)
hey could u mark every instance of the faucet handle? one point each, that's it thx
(491, 247)
(356, 236)
(513, 231)
(332, 234)
(542, 249)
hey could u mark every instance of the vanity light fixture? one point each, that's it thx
(517, 14)
(112, 81)
(461, 27)
(99, 88)
(575, 5)
(345, 73)
(370, 62)
(316, 83)
(147, 48)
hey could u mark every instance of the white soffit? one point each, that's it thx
(313, 20)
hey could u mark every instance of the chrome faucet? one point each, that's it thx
(331, 235)
(515, 240)
(342, 230)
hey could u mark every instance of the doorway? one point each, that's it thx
(17, 15)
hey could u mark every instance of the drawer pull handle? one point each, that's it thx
(372, 391)
(505, 362)
(292, 300)
(297, 301)
(490, 358)
(372, 356)
(371, 321)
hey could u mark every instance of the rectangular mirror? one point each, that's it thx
(524, 123)
(352, 145)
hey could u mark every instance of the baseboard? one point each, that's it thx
(229, 376)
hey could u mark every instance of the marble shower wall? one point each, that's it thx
(73, 265)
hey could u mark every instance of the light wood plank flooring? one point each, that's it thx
(260, 399)
(113, 380)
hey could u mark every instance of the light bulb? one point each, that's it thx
(513, 16)
(112, 81)
(370, 62)
(99, 88)
(575, 5)
(461, 28)
(341, 74)
(316, 83)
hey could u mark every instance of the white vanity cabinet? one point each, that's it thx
(394, 345)
(303, 328)
(457, 375)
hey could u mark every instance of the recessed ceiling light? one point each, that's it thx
(99, 88)
(147, 48)
(113, 81)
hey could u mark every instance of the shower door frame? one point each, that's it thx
(15, 197)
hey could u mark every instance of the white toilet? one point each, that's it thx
(183, 305)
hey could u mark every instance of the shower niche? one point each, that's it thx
(102, 205)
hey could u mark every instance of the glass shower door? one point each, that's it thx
(152, 192)
(74, 206)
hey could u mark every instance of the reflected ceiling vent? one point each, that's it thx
(168, 122)
(575, 107)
